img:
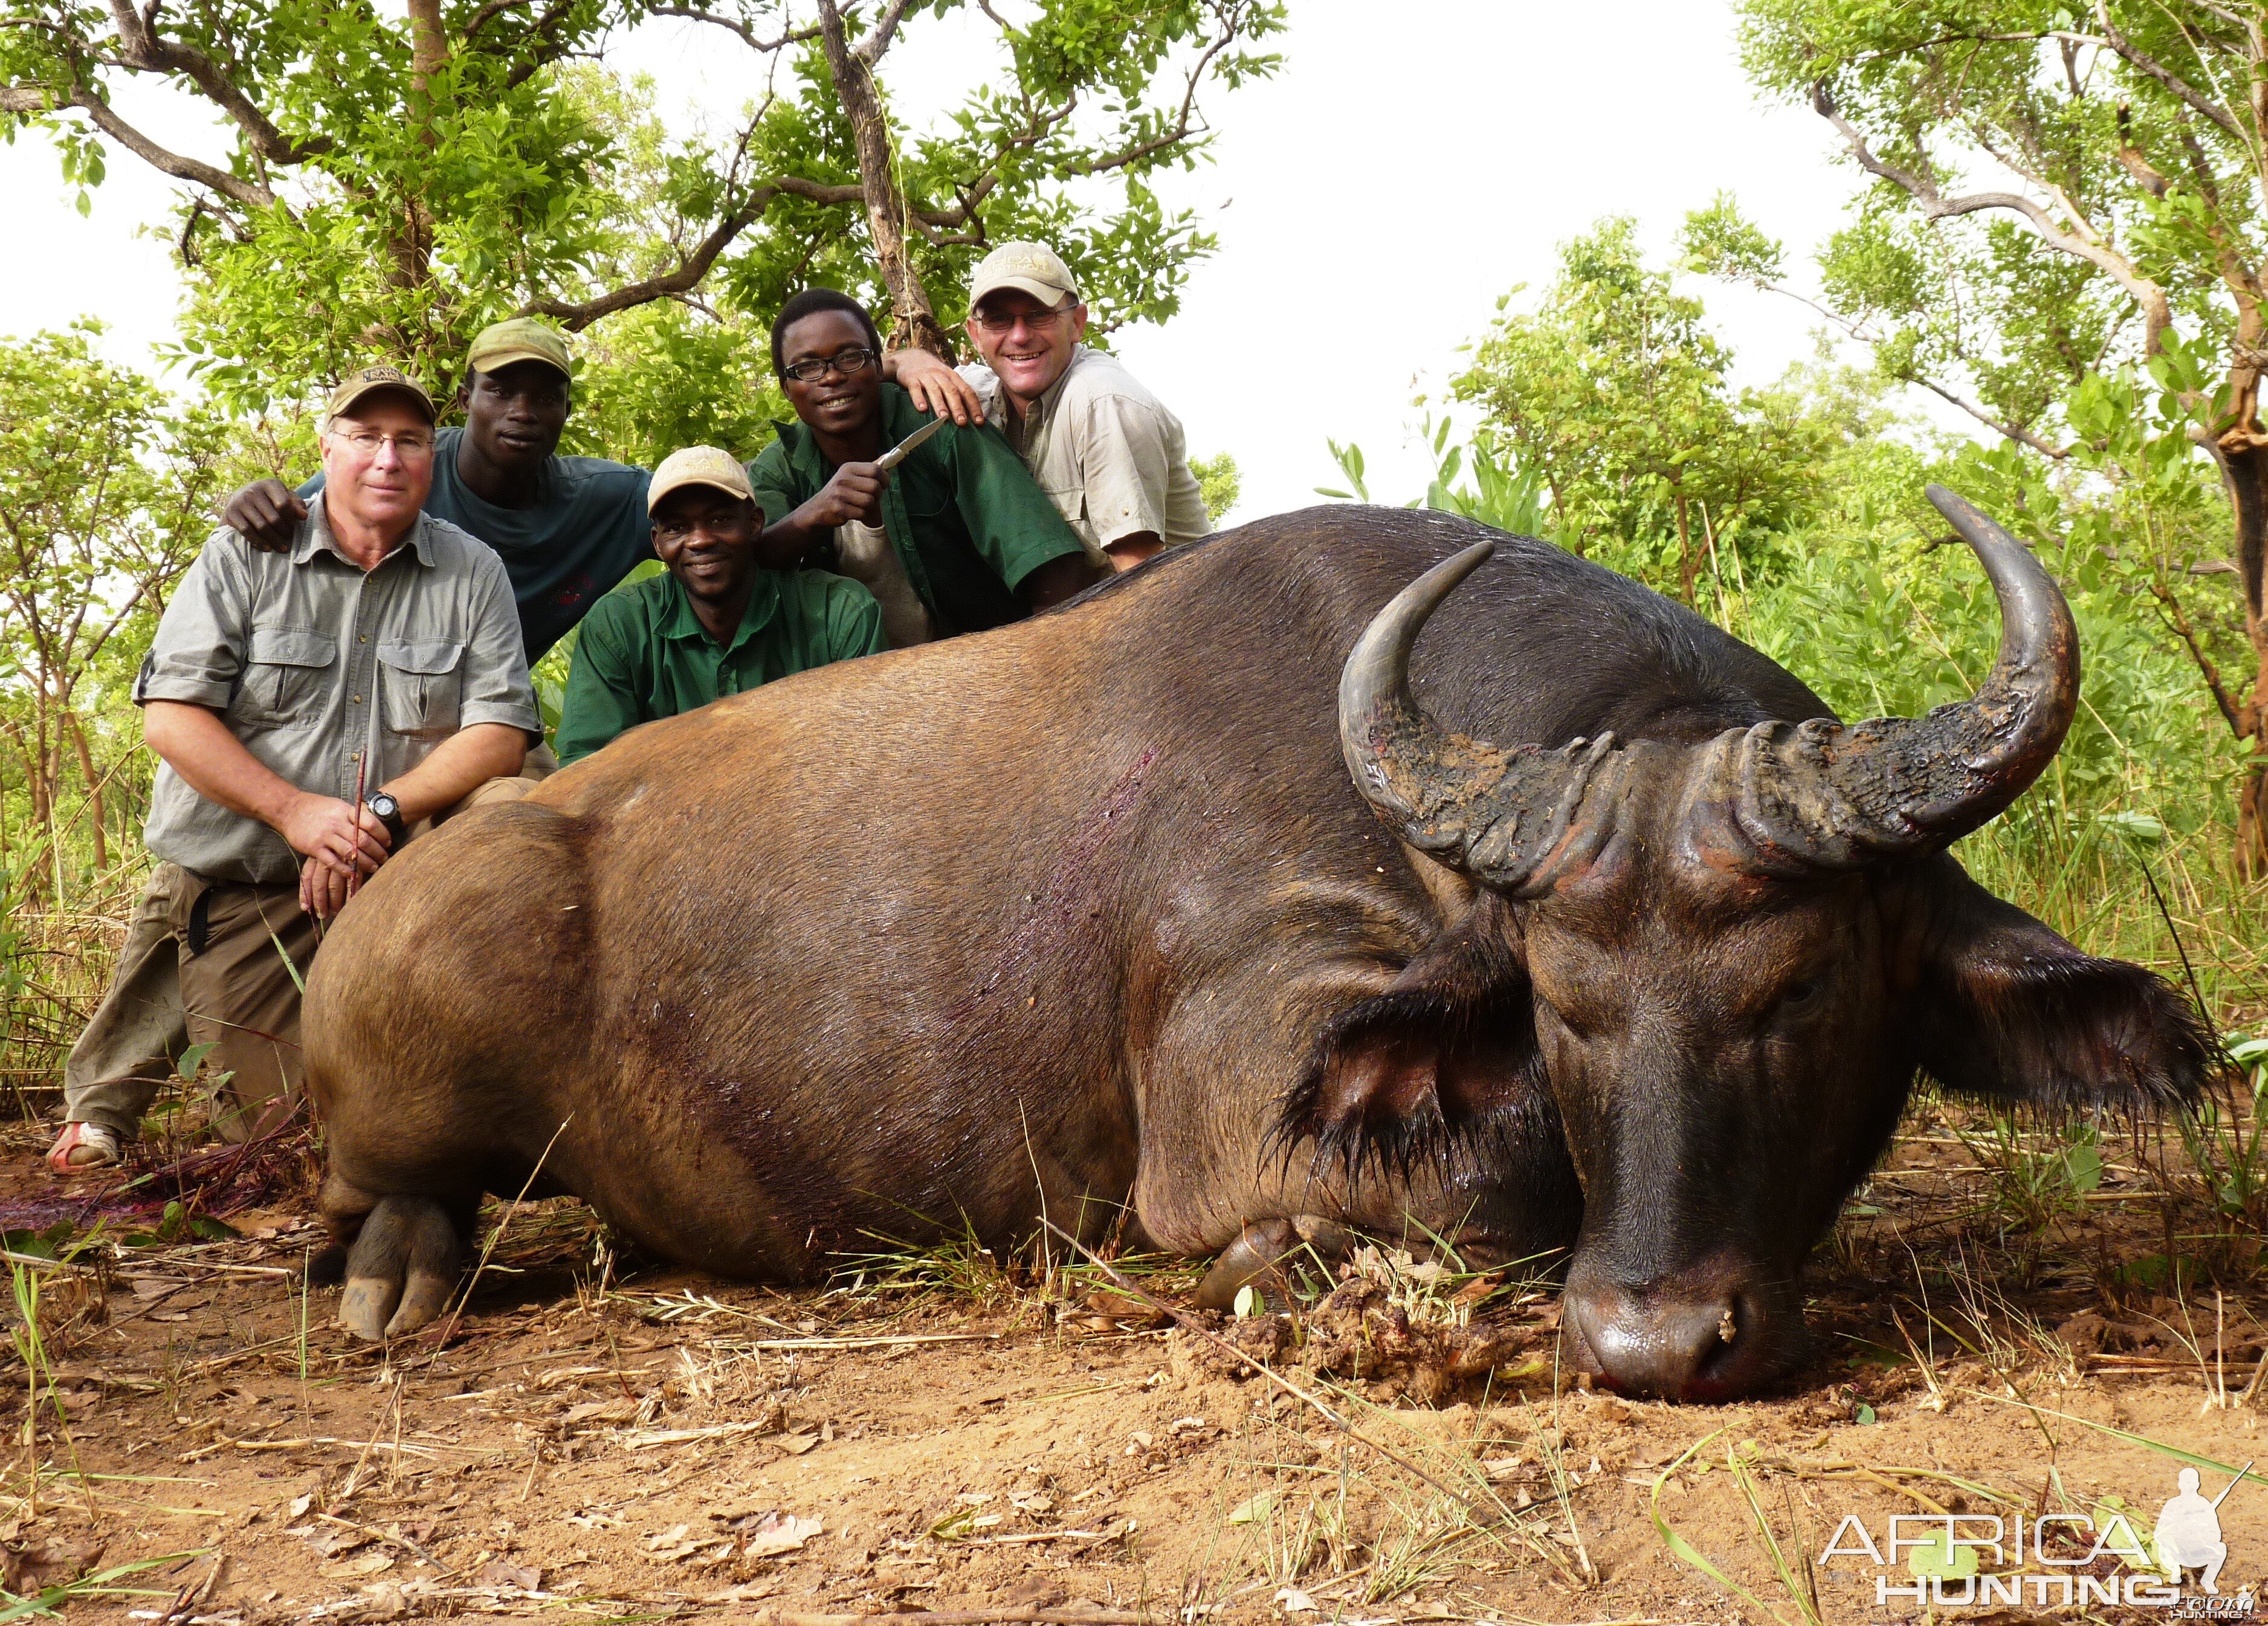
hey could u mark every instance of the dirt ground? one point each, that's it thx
(628, 1443)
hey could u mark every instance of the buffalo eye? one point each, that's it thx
(1801, 997)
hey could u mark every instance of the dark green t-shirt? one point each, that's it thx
(588, 530)
(966, 519)
(643, 654)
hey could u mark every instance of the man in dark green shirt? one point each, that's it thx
(567, 529)
(955, 539)
(718, 623)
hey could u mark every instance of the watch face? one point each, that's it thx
(384, 805)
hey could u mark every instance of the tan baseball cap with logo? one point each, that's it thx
(699, 465)
(1028, 268)
(523, 338)
(370, 380)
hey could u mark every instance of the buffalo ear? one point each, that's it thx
(2012, 1011)
(1447, 1053)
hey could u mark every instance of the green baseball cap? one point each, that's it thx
(370, 380)
(523, 338)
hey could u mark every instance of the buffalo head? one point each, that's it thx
(1722, 962)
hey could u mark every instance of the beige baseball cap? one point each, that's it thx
(523, 338)
(699, 465)
(1028, 268)
(371, 379)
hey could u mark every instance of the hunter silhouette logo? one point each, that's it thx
(2188, 1536)
(2056, 1559)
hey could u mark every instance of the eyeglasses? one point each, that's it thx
(679, 530)
(1039, 321)
(370, 443)
(843, 363)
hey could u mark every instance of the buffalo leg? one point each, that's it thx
(400, 1269)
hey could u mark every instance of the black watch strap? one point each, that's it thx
(396, 830)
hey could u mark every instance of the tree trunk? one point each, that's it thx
(1689, 563)
(93, 790)
(914, 320)
(2242, 453)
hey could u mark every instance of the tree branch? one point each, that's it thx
(2150, 66)
(2157, 312)
(576, 316)
(2178, 619)
(249, 192)
(869, 50)
(143, 50)
(793, 36)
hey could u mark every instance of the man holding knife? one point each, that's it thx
(951, 534)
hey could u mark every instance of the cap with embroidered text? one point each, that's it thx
(381, 375)
(1028, 268)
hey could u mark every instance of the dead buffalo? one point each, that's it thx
(1625, 945)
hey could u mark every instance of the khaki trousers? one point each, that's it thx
(205, 962)
(202, 963)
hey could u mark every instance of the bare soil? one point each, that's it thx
(620, 1442)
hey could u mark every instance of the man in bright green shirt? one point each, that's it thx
(957, 538)
(716, 624)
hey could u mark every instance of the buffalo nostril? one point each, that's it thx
(1654, 1344)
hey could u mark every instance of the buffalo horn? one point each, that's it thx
(1822, 794)
(1509, 818)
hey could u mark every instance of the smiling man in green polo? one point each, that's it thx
(718, 623)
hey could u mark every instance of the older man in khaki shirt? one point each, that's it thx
(379, 659)
(1106, 451)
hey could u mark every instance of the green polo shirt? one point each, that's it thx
(643, 654)
(964, 513)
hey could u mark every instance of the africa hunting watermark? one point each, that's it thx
(2053, 1560)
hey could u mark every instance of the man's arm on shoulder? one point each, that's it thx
(602, 700)
(1014, 526)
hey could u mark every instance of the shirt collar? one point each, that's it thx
(315, 533)
(763, 603)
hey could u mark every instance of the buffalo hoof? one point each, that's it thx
(1255, 1259)
(401, 1270)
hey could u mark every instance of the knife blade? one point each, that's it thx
(903, 449)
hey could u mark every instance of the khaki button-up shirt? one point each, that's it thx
(328, 674)
(1106, 451)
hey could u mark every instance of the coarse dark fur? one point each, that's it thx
(1084, 912)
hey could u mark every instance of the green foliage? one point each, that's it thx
(1612, 395)
(1219, 482)
(664, 376)
(378, 194)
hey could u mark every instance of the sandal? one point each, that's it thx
(84, 1146)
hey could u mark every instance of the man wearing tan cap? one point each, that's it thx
(308, 706)
(718, 623)
(568, 528)
(1106, 451)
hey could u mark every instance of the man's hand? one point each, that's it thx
(935, 386)
(854, 494)
(342, 838)
(266, 513)
(322, 890)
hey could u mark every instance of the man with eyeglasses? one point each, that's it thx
(1108, 454)
(955, 539)
(568, 528)
(308, 706)
(719, 624)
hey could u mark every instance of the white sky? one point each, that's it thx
(1409, 164)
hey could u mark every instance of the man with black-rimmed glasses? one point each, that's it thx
(955, 539)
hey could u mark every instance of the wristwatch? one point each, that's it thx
(389, 814)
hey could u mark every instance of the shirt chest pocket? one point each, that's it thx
(287, 677)
(421, 686)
